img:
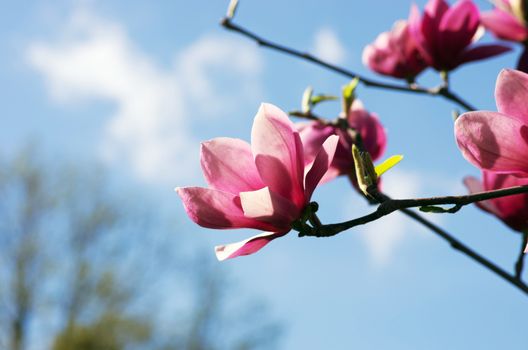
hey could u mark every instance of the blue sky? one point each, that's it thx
(138, 84)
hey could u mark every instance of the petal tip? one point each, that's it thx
(264, 108)
(221, 254)
(269, 110)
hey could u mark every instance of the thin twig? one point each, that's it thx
(455, 243)
(309, 116)
(443, 91)
(391, 205)
(519, 265)
(402, 205)
(515, 280)
(464, 249)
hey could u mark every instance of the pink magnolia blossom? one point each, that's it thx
(512, 210)
(508, 21)
(444, 34)
(372, 133)
(394, 53)
(264, 186)
(498, 141)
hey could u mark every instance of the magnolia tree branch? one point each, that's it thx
(464, 249)
(386, 204)
(389, 206)
(460, 201)
(443, 90)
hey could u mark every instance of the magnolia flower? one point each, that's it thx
(498, 141)
(508, 21)
(443, 34)
(395, 53)
(368, 126)
(512, 210)
(265, 185)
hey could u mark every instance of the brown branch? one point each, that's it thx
(388, 205)
(309, 116)
(515, 280)
(391, 205)
(470, 253)
(442, 91)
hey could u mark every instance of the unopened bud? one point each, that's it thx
(306, 104)
(231, 9)
(349, 95)
(365, 170)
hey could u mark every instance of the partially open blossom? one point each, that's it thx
(508, 21)
(512, 210)
(368, 126)
(395, 53)
(498, 141)
(265, 185)
(444, 34)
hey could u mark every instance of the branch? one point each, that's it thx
(462, 248)
(442, 91)
(455, 243)
(388, 206)
(515, 280)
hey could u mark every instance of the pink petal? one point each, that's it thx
(278, 153)
(382, 60)
(313, 135)
(457, 27)
(504, 25)
(436, 8)
(429, 42)
(511, 94)
(513, 210)
(320, 165)
(246, 247)
(475, 186)
(228, 165)
(330, 174)
(267, 206)
(504, 5)
(415, 27)
(481, 52)
(493, 141)
(394, 53)
(369, 127)
(216, 209)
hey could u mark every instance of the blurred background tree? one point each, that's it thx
(79, 265)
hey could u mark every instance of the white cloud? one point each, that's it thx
(328, 47)
(210, 63)
(150, 129)
(382, 237)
